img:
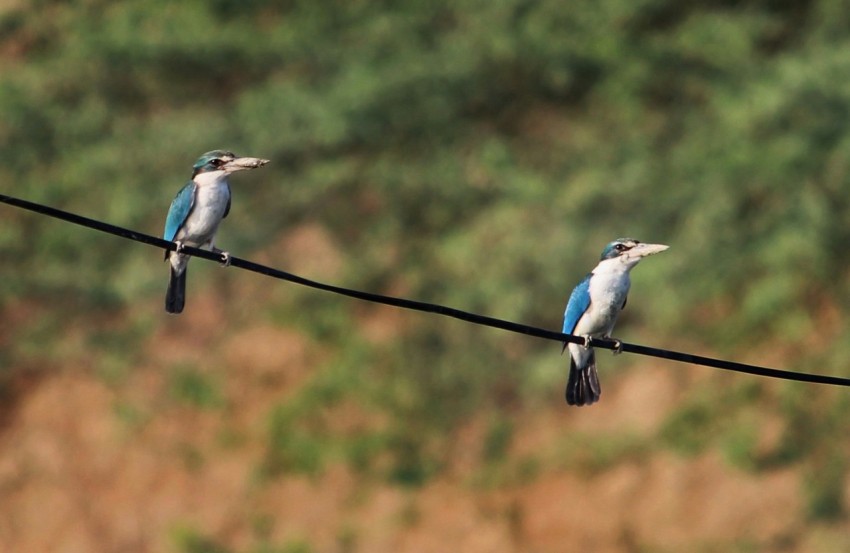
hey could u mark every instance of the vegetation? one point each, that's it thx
(473, 153)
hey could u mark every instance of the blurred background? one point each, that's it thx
(473, 153)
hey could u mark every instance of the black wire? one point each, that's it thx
(428, 307)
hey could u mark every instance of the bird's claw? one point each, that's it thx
(180, 246)
(618, 345)
(225, 256)
(587, 339)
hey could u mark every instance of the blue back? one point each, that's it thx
(180, 208)
(578, 304)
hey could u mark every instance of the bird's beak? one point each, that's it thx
(243, 163)
(644, 250)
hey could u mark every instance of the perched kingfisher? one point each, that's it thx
(195, 214)
(593, 309)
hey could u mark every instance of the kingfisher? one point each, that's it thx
(195, 214)
(592, 311)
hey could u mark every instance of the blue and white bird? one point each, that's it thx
(593, 309)
(195, 214)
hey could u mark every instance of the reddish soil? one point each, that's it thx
(86, 467)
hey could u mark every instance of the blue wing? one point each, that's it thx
(578, 304)
(180, 208)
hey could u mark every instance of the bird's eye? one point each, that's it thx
(620, 247)
(217, 162)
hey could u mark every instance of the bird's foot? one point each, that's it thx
(618, 345)
(587, 339)
(180, 246)
(225, 257)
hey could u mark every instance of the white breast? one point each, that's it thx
(609, 288)
(211, 201)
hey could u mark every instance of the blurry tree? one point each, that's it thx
(475, 153)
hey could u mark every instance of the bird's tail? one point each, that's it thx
(583, 383)
(175, 297)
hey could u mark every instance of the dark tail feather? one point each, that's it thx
(583, 384)
(175, 297)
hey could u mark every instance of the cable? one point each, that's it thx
(427, 307)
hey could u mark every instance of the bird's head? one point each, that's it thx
(221, 160)
(630, 251)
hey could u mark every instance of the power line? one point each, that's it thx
(424, 306)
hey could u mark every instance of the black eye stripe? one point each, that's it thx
(624, 247)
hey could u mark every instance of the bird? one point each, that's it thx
(592, 310)
(195, 214)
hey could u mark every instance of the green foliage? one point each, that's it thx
(437, 129)
(691, 428)
(718, 415)
(455, 122)
(592, 454)
(195, 388)
(497, 440)
(477, 154)
(824, 487)
(188, 540)
(297, 437)
(739, 444)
